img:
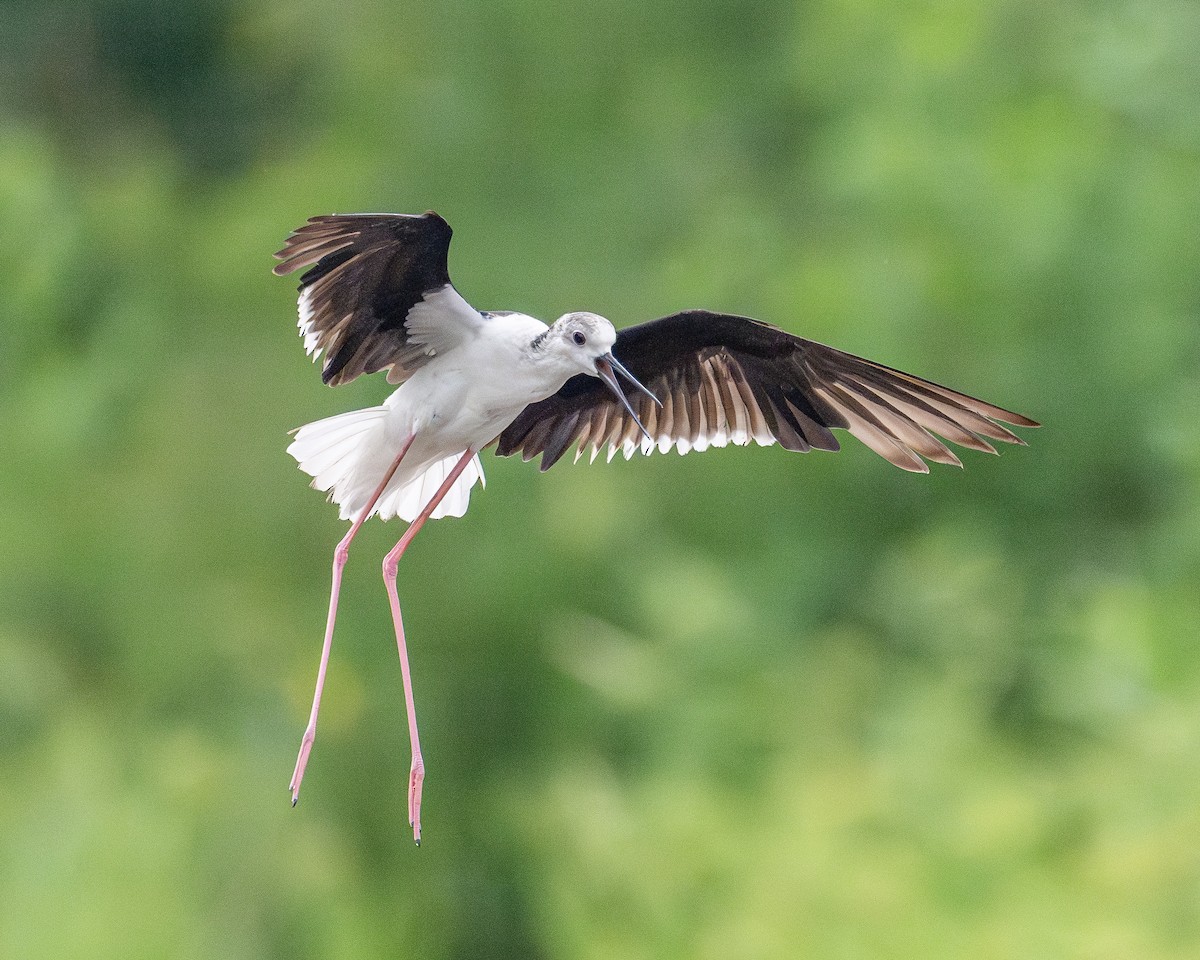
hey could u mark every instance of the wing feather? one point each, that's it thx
(376, 294)
(727, 379)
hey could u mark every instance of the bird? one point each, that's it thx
(376, 296)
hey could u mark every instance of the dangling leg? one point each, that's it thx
(416, 775)
(340, 553)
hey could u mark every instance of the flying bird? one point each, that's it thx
(376, 295)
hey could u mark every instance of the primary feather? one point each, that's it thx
(726, 379)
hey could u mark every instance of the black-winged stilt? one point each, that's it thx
(377, 296)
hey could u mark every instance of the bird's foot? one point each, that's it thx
(416, 777)
(302, 761)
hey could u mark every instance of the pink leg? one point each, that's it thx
(416, 774)
(340, 553)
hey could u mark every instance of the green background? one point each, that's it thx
(741, 705)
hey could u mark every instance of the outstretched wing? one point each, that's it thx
(377, 294)
(726, 379)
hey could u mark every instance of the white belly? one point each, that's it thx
(459, 402)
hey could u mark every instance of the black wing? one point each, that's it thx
(725, 379)
(367, 274)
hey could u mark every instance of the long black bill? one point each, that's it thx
(620, 368)
(607, 368)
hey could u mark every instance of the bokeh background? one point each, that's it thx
(740, 705)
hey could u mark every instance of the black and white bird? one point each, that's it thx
(376, 295)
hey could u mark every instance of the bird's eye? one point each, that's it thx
(579, 338)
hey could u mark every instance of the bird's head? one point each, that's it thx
(587, 339)
(582, 339)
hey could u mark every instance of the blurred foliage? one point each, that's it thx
(815, 707)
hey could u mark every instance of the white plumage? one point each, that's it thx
(346, 456)
(487, 371)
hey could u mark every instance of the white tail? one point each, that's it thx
(409, 499)
(347, 455)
